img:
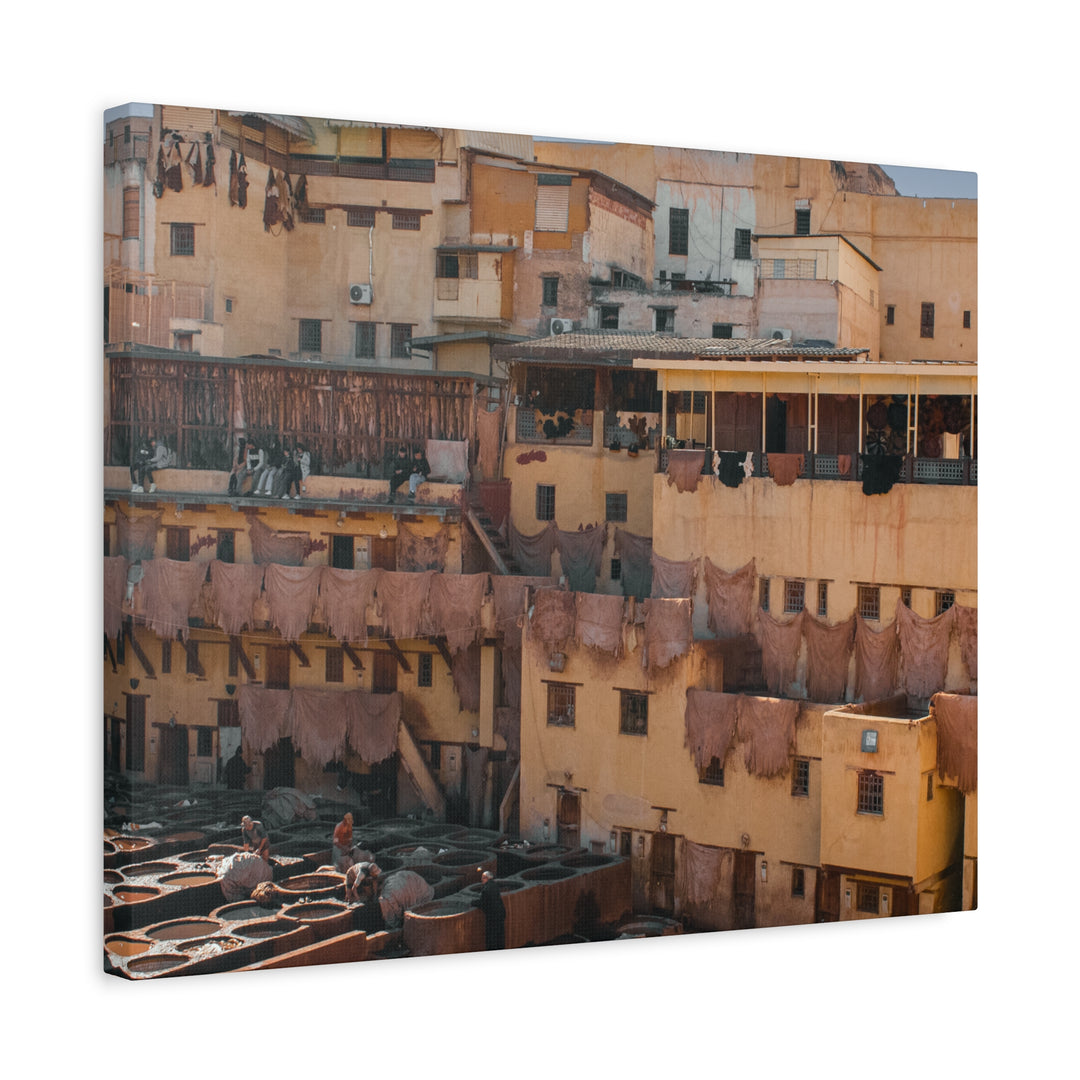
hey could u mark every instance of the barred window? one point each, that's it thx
(131, 213)
(905, 595)
(551, 291)
(722, 330)
(313, 216)
(181, 239)
(545, 502)
(822, 599)
(890, 314)
(798, 881)
(763, 593)
(867, 898)
(633, 713)
(869, 599)
(943, 601)
(802, 222)
(678, 231)
(335, 665)
(400, 334)
(310, 335)
(800, 777)
(193, 666)
(665, 320)
(616, 569)
(794, 597)
(967, 320)
(560, 704)
(871, 793)
(926, 322)
(362, 217)
(424, 669)
(713, 773)
(609, 317)
(615, 506)
(365, 341)
(742, 243)
(405, 219)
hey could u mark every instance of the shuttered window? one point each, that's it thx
(678, 231)
(365, 340)
(131, 213)
(552, 203)
(400, 334)
(926, 326)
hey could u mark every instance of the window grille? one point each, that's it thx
(310, 335)
(131, 214)
(794, 597)
(560, 705)
(424, 670)
(800, 777)
(926, 324)
(665, 320)
(365, 341)
(633, 713)
(551, 292)
(313, 216)
(400, 334)
(867, 898)
(943, 601)
(360, 217)
(678, 231)
(182, 239)
(722, 330)
(405, 219)
(615, 506)
(763, 593)
(822, 599)
(869, 597)
(871, 793)
(890, 314)
(802, 222)
(609, 318)
(713, 773)
(742, 243)
(545, 502)
(335, 665)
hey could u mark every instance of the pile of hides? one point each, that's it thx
(402, 891)
(580, 554)
(673, 578)
(669, 630)
(137, 536)
(284, 805)
(635, 557)
(532, 553)
(730, 597)
(417, 553)
(170, 589)
(785, 468)
(241, 873)
(957, 717)
(684, 468)
(765, 727)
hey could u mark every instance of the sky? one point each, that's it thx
(933, 183)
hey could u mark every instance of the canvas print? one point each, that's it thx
(512, 542)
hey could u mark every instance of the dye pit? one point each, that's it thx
(167, 914)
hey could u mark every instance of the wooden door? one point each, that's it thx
(384, 669)
(743, 893)
(775, 426)
(135, 730)
(277, 667)
(383, 553)
(173, 754)
(828, 896)
(662, 874)
(568, 819)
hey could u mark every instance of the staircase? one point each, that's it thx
(486, 531)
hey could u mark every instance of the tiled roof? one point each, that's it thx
(621, 346)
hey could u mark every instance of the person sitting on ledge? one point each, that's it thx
(402, 469)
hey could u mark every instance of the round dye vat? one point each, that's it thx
(241, 910)
(154, 965)
(267, 928)
(131, 894)
(209, 946)
(182, 929)
(131, 843)
(196, 878)
(505, 885)
(126, 946)
(458, 857)
(145, 869)
(308, 912)
(589, 860)
(113, 877)
(110, 848)
(650, 926)
(312, 883)
(194, 856)
(447, 832)
(188, 836)
(547, 873)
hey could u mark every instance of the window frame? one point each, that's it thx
(822, 599)
(926, 320)
(132, 215)
(943, 600)
(800, 778)
(549, 291)
(868, 602)
(890, 314)
(867, 898)
(364, 330)
(425, 670)
(399, 342)
(334, 664)
(678, 230)
(630, 701)
(615, 506)
(405, 220)
(561, 704)
(798, 883)
(870, 793)
(182, 239)
(723, 331)
(712, 774)
(608, 312)
(802, 221)
(665, 315)
(763, 593)
(794, 596)
(360, 217)
(545, 502)
(305, 331)
(743, 250)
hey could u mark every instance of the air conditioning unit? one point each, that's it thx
(359, 294)
(561, 326)
(778, 333)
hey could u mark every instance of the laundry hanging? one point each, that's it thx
(730, 597)
(669, 630)
(510, 592)
(401, 602)
(957, 717)
(270, 546)
(553, 616)
(635, 563)
(674, 578)
(263, 716)
(291, 593)
(701, 871)
(924, 650)
(454, 603)
(785, 468)
(170, 589)
(598, 622)
(137, 536)
(532, 553)
(828, 655)
(780, 644)
(416, 552)
(710, 725)
(235, 588)
(318, 721)
(580, 555)
(766, 728)
(880, 472)
(684, 468)
(728, 467)
(115, 586)
(967, 628)
(877, 661)
(372, 723)
(345, 596)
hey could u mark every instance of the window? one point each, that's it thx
(867, 898)
(763, 593)
(943, 601)
(226, 545)
(552, 203)
(362, 217)
(633, 713)
(560, 704)
(551, 291)
(446, 266)
(623, 279)
(926, 324)
(365, 341)
(798, 881)
(616, 570)
(713, 773)
(800, 777)
(178, 543)
(626, 843)
(722, 330)
(400, 334)
(890, 314)
(312, 216)
(181, 239)
(929, 787)
(424, 669)
(822, 599)
(869, 601)
(193, 665)
(405, 219)
(615, 506)
(967, 320)
(545, 502)
(742, 243)
(435, 752)
(678, 231)
(335, 665)
(871, 793)
(343, 552)
(228, 305)
(166, 656)
(131, 213)
(905, 595)
(802, 222)
(310, 335)
(794, 597)
(609, 317)
(204, 742)
(665, 320)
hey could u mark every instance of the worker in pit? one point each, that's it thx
(253, 837)
(342, 844)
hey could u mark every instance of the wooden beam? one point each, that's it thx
(351, 653)
(392, 645)
(245, 662)
(136, 648)
(444, 652)
(194, 663)
(300, 654)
